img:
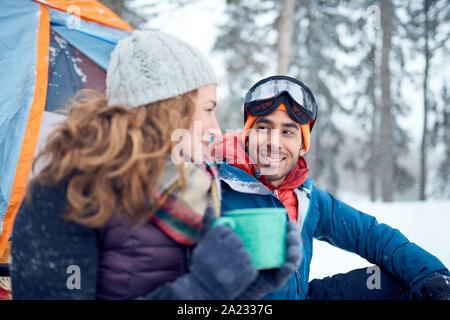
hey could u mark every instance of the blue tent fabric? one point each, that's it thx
(63, 79)
(19, 21)
(19, 24)
(90, 28)
(94, 40)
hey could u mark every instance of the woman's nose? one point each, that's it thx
(214, 128)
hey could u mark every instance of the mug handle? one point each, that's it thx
(225, 221)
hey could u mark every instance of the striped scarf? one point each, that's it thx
(180, 214)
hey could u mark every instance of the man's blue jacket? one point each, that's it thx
(323, 217)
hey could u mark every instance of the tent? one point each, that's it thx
(49, 49)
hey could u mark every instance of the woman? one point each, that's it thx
(115, 214)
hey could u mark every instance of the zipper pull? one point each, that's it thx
(275, 192)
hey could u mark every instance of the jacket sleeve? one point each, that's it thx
(352, 230)
(51, 257)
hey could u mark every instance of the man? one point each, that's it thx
(264, 167)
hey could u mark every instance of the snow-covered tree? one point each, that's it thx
(252, 46)
(427, 27)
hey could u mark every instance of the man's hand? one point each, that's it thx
(436, 288)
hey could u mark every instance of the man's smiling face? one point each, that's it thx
(275, 144)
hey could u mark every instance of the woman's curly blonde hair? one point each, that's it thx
(112, 156)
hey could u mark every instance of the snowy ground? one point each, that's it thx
(425, 223)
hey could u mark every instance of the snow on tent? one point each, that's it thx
(48, 51)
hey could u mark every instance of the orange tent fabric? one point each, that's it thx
(32, 129)
(89, 10)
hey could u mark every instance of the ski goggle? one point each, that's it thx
(267, 94)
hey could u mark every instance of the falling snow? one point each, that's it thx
(61, 42)
(78, 70)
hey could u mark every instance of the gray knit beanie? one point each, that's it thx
(150, 66)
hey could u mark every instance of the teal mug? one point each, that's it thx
(263, 231)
